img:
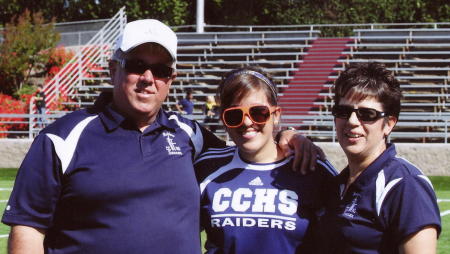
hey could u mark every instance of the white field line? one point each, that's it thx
(444, 212)
(5, 189)
(4, 236)
(3, 201)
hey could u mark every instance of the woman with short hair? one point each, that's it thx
(383, 203)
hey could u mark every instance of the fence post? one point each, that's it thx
(79, 65)
(57, 86)
(30, 119)
(446, 129)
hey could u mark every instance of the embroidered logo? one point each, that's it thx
(350, 210)
(172, 148)
(257, 181)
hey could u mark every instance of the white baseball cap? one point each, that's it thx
(147, 30)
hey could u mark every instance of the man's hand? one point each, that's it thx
(305, 151)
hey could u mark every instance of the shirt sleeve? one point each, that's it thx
(210, 140)
(326, 173)
(410, 207)
(37, 187)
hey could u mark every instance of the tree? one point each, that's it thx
(171, 12)
(48, 8)
(28, 43)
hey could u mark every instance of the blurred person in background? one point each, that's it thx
(211, 111)
(39, 102)
(186, 105)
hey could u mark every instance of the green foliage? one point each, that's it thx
(27, 45)
(49, 8)
(286, 12)
(239, 12)
(173, 12)
(26, 89)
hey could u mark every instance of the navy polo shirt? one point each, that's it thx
(97, 184)
(388, 202)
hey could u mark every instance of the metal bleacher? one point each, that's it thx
(204, 58)
(420, 58)
(422, 66)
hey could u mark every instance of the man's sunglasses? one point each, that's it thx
(363, 114)
(234, 117)
(139, 67)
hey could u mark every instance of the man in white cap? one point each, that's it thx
(117, 179)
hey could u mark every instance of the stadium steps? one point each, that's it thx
(303, 92)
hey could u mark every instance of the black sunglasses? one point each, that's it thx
(363, 114)
(139, 67)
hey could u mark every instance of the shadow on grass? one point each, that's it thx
(8, 173)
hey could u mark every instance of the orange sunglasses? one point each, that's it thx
(234, 117)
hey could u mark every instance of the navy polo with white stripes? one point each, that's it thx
(96, 184)
(389, 201)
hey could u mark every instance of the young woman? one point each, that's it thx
(383, 203)
(251, 200)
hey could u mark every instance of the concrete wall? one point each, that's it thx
(12, 152)
(433, 159)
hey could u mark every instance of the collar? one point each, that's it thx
(112, 120)
(370, 173)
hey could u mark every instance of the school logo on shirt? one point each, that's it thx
(350, 210)
(172, 148)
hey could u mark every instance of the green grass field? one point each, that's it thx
(441, 185)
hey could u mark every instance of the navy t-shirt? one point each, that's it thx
(187, 105)
(389, 201)
(258, 208)
(97, 184)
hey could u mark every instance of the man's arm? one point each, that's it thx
(422, 242)
(24, 240)
(179, 108)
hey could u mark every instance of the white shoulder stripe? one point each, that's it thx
(196, 137)
(212, 149)
(210, 152)
(213, 156)
(233, 164)
(401, 158)
(382, 189)
(426, 180)
(66, 148)
(236, 162)
(219, 150)
(328, 167)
